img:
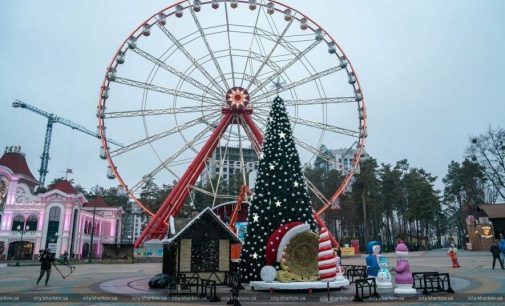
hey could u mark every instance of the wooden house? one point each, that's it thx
(201, 248)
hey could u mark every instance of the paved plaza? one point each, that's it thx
(102, 284)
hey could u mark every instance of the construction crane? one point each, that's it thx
(51, 119)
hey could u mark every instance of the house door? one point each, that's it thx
(24, 249)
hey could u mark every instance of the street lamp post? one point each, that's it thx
(56, 236)
(131, 239)
(20, 245)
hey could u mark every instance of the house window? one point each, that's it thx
(53, 225)
(204, 255)
(32, 222)
(18, 221)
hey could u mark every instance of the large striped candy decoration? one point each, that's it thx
(327, 263)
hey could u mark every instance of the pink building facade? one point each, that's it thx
(60, 219)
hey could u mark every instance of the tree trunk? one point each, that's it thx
(365, 219)
(417, 232)
(387, 239)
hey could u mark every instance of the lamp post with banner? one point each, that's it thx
(53, 243)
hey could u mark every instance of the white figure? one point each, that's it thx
(340, 270)
(383, 279)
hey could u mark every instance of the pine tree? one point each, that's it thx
(280, 194)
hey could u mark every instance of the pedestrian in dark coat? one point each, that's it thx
(65, 258)
(45, 265)
(495, 250)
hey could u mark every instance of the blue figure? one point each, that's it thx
(502, 248)
(372, 260)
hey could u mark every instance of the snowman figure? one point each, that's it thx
(383, 279)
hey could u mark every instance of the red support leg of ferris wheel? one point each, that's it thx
(156, 227)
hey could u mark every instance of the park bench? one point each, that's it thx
(352, 272)
(368, 285)
(432, 282)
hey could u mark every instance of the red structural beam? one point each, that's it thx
(248, 124)
(156, 228)
(244, 190)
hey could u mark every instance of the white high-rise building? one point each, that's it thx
(337, 159)
(228, 160)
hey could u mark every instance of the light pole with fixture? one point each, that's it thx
(20, 245)
(131, 239)
(53, 243)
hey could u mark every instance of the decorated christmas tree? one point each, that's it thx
(280, 203)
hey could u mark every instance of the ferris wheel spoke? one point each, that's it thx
(301, 143)
(211, 53)
(159, 111)
(169, 91)
(229, 45)
(312, 150)
(248, 58)
(172, 158)
(161, 135)
(212, 194)
(277, 42)
(215, 189)
(319, 125)
(315, 101)
(324, 126)
(316, 191)
(175, 72)
(298, 83)
(280, 71)
(188, 55)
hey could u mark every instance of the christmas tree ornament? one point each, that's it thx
(268, 274)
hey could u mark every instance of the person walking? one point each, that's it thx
(453, 253)
(65, 258)
(502, 248)
(45, 265)
(495, 250)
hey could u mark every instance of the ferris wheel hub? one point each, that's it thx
(237, 98)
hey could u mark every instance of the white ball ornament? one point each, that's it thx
(267, 274)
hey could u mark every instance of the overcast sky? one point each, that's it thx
(433, 73)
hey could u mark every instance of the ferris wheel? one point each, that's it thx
(193, 84)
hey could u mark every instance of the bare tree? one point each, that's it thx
(488, 150)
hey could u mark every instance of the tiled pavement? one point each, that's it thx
(96, 284)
